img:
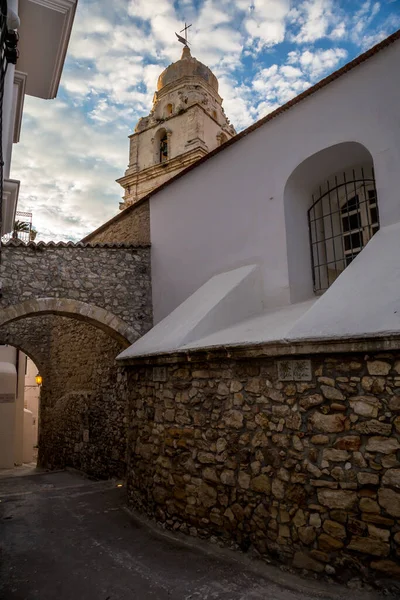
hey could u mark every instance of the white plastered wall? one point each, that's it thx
(8, 386)
(230, 211)
(32, 393)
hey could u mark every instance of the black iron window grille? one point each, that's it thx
(342, 219)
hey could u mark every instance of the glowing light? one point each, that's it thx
(39, 379)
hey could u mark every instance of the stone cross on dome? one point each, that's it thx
(183, 40)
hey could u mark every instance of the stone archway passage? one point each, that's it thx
(94, 315)
(114, 278)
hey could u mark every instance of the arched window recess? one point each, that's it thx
(342, 219)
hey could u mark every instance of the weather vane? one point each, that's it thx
(183, 40)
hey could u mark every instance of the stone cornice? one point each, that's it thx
(162, 122)
(183, 83)
(378, 343)
(181, 161)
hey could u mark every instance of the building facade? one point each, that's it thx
(40, 29)
(186, 122)
(33, 29)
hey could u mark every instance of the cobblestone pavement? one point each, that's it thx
(64, 537)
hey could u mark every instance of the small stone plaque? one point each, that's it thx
(86, 435)
(159, 374)
(7, 398)
(294, 370)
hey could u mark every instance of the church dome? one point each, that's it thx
(187, 66)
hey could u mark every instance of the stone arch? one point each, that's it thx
(162, 145)
(168, 110)
(99, 317)
(299, 187)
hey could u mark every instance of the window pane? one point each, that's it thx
(372, 196)
(374, 215)
(350, 258)
(351, 204)
(353, 241)
(351, 221)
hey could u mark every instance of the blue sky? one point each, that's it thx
(264, 52)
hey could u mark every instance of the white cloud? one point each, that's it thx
(264, 52)
(266, 22)
(316, 19)
(318, 62)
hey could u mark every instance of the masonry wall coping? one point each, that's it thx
(20, 244)
(382, 343)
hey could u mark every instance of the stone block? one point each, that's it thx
(310, 401)
(373, 426)
(392, 478)
(244, 480)
(228, 477)
(320, 440)
(327, 543)
(390, 501)
(304, 561)
(365, 406)
(331, 393)
(369, 505)
(388, 567)
(334, 529)
(369, 545)
(368, 479)
(234, 419)
(348, 442)
(394, 403)
(327, 423)
(261, 484)
(342, 499)
(334, 455)
(307, 535)
(380, 534)
(378, 367)
(382, 445)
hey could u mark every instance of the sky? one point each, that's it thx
(264, 52)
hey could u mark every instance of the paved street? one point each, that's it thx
(67, 538)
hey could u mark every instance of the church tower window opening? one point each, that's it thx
(169, 110)
(342, 219)
(164, 147)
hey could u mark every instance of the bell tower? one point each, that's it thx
(185, 123)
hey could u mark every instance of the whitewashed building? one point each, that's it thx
(292, 229)
(43, 28)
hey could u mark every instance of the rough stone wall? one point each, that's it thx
(131, 227)
(82, 409)
(115, 278)
(306, 471)
(82, 412)
(32, 336)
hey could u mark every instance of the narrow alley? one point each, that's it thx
(65, 537)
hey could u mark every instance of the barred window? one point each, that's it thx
(342, 219)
